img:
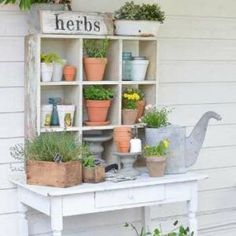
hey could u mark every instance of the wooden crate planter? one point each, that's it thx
(93, 174)
(54, 174)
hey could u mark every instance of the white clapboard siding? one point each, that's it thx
(195, 49)
(5, 145)
(8, 201)
(8, 225)
(12, 49)
(198, 27)
(199, 93)
(209, 8)
(197, 71)
(12, 125)
(12, 99)
(11, 74)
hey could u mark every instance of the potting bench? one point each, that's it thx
(107, 196)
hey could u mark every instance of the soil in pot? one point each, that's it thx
(94, 68)
(140, 109)
(54, 174)
(156, 166)
(94, 174)
(129, 116)
(69, 73)
(97, 110)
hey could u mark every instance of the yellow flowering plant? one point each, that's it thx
(158, 150)
(130, 97)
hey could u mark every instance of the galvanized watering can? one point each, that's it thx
(183, 151)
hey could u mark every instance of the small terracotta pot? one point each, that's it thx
(69, 72)
(156, 166)
(93, 175)
(94, 68)
(140, 109)
(97, 110)
(123, 146)
(129, 116)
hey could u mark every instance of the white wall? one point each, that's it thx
(197, 73)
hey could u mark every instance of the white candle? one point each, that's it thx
(135, 145)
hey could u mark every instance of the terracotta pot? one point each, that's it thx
(156, 166)
(94, 68)
(54, 174)
(123, 146)
(69, 73)
(97, 110)
(129, 116)
(93, 175)
(140, 109)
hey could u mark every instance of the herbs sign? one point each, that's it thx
(56, 22)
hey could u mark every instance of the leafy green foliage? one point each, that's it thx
(97, 92)
(155, 118)
(87, 157)
(96, 48)
(50, 58)
(26, 4)
(177, 231)
(158, 150)
(48, 146)
(132, 11)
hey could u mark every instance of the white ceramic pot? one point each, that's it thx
(58, 71)
(46, 115)
(66, 115)
(136, 27)
(46, 72)
(139, 69)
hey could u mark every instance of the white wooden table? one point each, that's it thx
(90, 198)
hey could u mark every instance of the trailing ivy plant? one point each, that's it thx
(96, 48)
(26, 4)
(97, 92)
(132, 11)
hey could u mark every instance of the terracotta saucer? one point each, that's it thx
(91, 123)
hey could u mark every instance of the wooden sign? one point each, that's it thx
(68, 22)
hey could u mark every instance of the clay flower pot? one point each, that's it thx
(94, 68)
(140, 109)
(93, 174)
(123, 134)
(69, 73)
(97, 110)
(129, 116)
(123, 146)
(156, 166)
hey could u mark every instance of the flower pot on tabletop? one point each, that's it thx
(156, 166)
(94, 174)
(129, 116)
(66, 115)
(69, 72)
(58, 68)
(94, 68)
(46, 72)
(46, 115)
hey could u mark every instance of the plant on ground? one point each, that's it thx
(50, 58)
(26, 4)
(132, 11)
(96, 48)
(179, 230)
(158, 150)
(97, 92)
(154, 117)
(130, 98)
(58, 147)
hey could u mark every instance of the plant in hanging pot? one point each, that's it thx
(130, 100)
(95, 59)
(155, 158)
(138, 20)
(52, 159)
(97, 101)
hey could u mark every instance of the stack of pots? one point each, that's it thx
(122, 136)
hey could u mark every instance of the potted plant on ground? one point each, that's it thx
(97, 101)
(138, 20)
(155, 158)
(95, 59)
(52, 159)
(130, 100)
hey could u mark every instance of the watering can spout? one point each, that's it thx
(194, 142)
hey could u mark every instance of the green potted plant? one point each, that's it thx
(95, 59)
(97, 101)
(52, 159)
(92, 173)
(138, 20)
(155, 158)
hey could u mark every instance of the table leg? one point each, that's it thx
(22, 209)
(192, 209)
(146, 218)
(56, 216)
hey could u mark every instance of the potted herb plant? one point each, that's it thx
(138, 20)
(97, 101)
(155, 158)
(52, 159)
(95, 59)
(130, 98)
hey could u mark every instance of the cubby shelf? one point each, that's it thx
(70, 48)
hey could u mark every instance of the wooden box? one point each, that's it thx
(94, 174)
(54, 174)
